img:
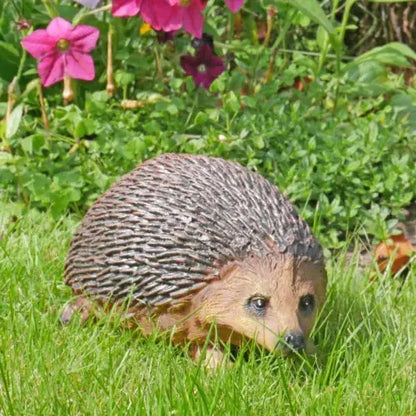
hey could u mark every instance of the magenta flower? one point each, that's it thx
(125, 8)
(166, 15)
(63, 50)
(234, 5)
(204, 67)
(170, 15)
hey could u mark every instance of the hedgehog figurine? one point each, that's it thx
(185, 242)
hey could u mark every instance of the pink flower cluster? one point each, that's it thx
(63, 50)
(169, 15)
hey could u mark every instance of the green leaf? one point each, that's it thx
(13, 122)
(9, 61)
(322, 37)
(26, 144)
(3, 109)
(394, 53)
(71, 177)
(9, 52)
(231, 103)
(314, 11)
(258, 142)
(39, 185)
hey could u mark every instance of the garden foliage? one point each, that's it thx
(271, 86)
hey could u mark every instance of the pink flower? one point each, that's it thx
(126, 8)
(234, 5)
(169, 15)
(63, 50)
(166, 15)
(204, 67)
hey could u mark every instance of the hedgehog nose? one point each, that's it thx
(294, 340)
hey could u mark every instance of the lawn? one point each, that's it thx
(365, 360)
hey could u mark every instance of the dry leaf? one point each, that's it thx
(397, 249)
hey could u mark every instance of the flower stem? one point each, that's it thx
(110, 75)
(21, 63)
(42, 107)
(271, 13)
(159, 67)
(82, 13)
(68, 92)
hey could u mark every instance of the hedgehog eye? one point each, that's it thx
(307, 303)
(257, 304)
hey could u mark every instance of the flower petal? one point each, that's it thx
(193, 20)
(189, 65)
(80, 65)
(172, 20)
(204, 54)
(84, 38)
(216, 70)
(39, 43)
(125, 8)
(161, 15)
(202, 79)
(51, 69)
(234, 5)
(59, 28)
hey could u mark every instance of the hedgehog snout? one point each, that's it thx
(294, 341)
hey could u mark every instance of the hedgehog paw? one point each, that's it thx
(210, 357)
(81, 305)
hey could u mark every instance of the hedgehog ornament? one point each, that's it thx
(185, 242)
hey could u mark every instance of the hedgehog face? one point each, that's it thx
(273, 300)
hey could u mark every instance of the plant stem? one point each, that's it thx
(82, 13)
(345, 17)
(338, 49)
(158, 62)
(42, 107)
(110, 75)
(271, 14)
(50, 8)
(68, 92)
(21, 64)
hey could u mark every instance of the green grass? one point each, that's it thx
(365, 364)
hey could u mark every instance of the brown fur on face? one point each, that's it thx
(281, 279)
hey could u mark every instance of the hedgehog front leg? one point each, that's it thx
(81, 305)
(210, 357)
